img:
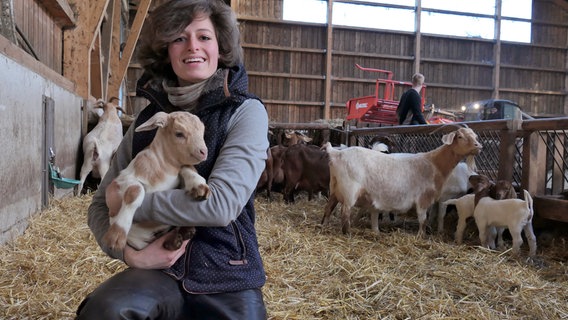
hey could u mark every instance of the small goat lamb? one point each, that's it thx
(177, 146)
(483, 187)
(515, 214)
(101, 142)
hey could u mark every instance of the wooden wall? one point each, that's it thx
(287, 63)
(40, 35)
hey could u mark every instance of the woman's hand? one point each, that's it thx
(154, 256)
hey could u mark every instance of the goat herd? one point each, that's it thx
(400, 182)
(353, 176)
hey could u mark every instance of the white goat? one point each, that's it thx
(177, 146)
(101, 142)
(456, 186)
(514, 214)
(464, 207)
(394, 182)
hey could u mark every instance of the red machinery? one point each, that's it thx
(380, 108)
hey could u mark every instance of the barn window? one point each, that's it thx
(462, 18)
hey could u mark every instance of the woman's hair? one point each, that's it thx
(168, 21)
(417, 79)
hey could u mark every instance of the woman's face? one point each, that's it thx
(194, 55)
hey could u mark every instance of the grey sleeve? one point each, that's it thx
(97, 214)
(232, 181)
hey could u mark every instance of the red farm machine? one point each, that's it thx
(380, 108)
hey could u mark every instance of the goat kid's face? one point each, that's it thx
(465, 141)
(182, 133)
(504, 190)
(480, 182)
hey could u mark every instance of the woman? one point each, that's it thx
(191, 53)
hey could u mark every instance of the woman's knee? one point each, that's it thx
(134, 294)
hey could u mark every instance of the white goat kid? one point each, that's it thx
(391, 182)
(456, 186)
(177, 146)
(101, 142)
(514, 214)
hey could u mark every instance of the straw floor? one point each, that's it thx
(313, 272)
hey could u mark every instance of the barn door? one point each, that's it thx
(48, 147)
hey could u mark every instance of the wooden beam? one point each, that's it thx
(78, 43)
(96, 76)
(128, 51)
(114, 55)
(106, 45)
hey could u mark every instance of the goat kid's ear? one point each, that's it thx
(160, 119)
(448, 138)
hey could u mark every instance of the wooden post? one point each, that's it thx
(418, 41)
(534, 162)
(328, 61)
(497, 51)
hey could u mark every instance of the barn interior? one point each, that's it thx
(60, 56)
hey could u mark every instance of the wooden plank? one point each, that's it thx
(96, 81)
(551, 208)
(534, 162)
(128, 51)
(61, 12)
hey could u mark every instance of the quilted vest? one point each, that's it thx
(217, 259)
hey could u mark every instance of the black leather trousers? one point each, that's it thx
(152, 294)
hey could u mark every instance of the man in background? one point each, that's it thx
(409, 109)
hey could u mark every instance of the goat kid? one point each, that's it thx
(101, 142)
(176, 148)
(514, 214)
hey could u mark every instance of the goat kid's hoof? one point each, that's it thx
(173, 243)
(115, 238)
(187, 233)
(200, 192)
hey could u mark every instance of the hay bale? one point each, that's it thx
(313, 272)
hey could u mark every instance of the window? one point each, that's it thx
(348, 14)
(305, 10)
(457, 25)
(443, 17)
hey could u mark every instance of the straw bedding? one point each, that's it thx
(313, 272)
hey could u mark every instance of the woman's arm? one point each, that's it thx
(232, 181)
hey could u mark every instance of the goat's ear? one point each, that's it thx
(160, 119)
(448, 138)
(99, 104)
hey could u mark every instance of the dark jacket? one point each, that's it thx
(409, 108)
